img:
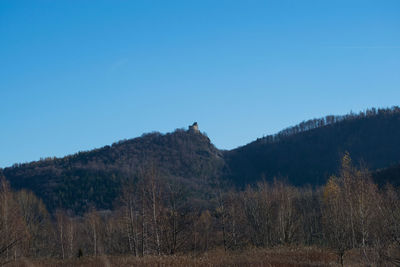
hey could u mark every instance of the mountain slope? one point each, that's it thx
(310, 156)
(307, 153)
(95, 177)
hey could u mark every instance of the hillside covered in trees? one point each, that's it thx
(94, 178)
(307, 153)
(330, 183)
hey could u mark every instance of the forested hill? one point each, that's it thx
(310, 152)
(94, 178)
(304, 154)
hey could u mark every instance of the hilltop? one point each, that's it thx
(94, 178)
(307, 153)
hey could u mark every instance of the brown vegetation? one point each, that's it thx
(349, 221)
(282, 257)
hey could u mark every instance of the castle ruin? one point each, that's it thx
(194, 128)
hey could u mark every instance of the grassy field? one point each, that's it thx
(256, 257)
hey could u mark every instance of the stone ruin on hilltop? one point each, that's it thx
(194, 128)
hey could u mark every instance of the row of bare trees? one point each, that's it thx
(357, 214)
(157, 217)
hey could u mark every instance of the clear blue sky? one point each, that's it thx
(76, 75)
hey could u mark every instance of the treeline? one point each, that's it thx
(154, 216)
(327, 120)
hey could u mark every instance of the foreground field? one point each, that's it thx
(256, 257)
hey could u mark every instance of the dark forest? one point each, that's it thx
(327, 184)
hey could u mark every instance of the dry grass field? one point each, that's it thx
(282, 257)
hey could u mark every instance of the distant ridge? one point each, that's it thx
(325, 121)
(307, 153)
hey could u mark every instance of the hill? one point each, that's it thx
(310, 152)
(94, 178)
(307, 153)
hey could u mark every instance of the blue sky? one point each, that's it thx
(76, 75)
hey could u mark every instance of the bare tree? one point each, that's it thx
(61, 231)
(287, 217)
(93, 227)
(202, 233)
(12, 226)
(37, 221)
(176, 218)
(258, 208)
(130, 216)
(335, 220)
(351, 204)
